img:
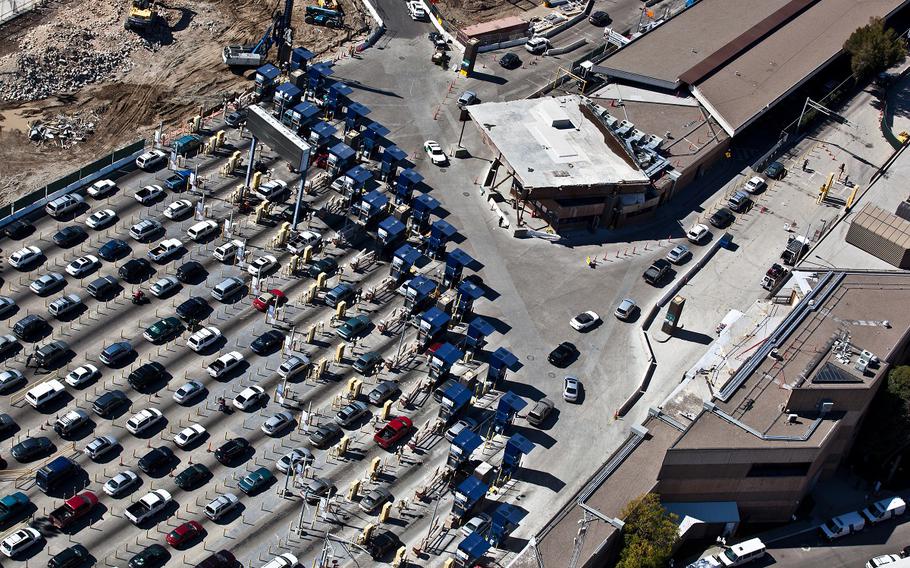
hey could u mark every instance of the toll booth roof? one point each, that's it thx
(377, 129)
(323, 129)
(375, 200)
(408, 254)
(443, 227)
(359, 174)
(358, 109)
(458, 256)
(510, 514)
(392, 226)
(472, 488)
(306, 109)
(268, 71)
(323, 69)
(422, 285)
(341, 89)
(480, 326)
(474, 546)
(425, 201)
(514, 401)
(411, 175)
(435, 317)
(521, 443)
(287, 90)
(467, 440)
(470, 290)
(507, 357)
(450, 354)
(394, 153)
(458, 393)
(342, 150)
(302, 53)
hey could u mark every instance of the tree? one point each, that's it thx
(648, 535)
(899, 382)
(873, 48)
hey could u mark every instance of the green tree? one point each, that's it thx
(899, 382)
(873, 48)
(648, 535)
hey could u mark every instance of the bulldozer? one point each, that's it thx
(142, 16)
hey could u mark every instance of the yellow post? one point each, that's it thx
(320, 280)
(400, 556)
(355, 389)
(321, 369)
(340, 309)
(385, 513)
(197, 123)
(374, 466)
(343, 446)
(386, 410)
(352, 383)
(311, 334)
(254, 183)
(339, 353)
(449, 563)
(354, 490)
(367, 532)
(219, 138)
(311, 295)
(294, 263)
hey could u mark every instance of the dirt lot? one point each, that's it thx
(463, 13)
(74, 58)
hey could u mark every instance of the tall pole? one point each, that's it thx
(303, 170)
(251, 160)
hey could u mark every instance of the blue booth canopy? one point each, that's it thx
(342, 150)
(467, 440)
(394, 153)
(480, 326)
(458, 393)
(521, 443)
(340, 88)
(459, 256)
(408, 254)
(474, 546)
(323, 129)
(472, 488)
(449, 354)
(306, 110)
(425, 202)
(443, 227)
(411, 175)
(325, 70)
(514, 401)
(470, 290)
(377, 129)
(360, 175)
(358, 109)
(287, 90)
(375, 200)
(268, 71)
(507, 357)
(392, 226)
(435, 317)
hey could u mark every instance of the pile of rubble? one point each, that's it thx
(62, 130)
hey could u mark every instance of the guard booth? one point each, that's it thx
(456, 260)
(265, 81)
(468, 293)
(471, 550)
(371, 137)
(403, 260)
(468, 496)
(407, 180)
(500, 361)
(442, 359)
(476, 334)
(341, 157)
(320, 135)
(462, 447)
(300, 58)
(440, 233)
(355, 116)
(509, 405)
(359, 177)
(316, 76)
(392, 156)
(516, 447)
(418, 292)
(371, 207)
(286, 96)
(505, 518)
(454, 399)
(335, 98)
(422, 207)
(432, 324)
(391, 231)
(300, 116)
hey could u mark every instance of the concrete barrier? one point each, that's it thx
(566, 49)
(502, 45)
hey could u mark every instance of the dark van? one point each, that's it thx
(30, 327)
(49, 476)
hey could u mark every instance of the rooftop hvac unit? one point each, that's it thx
(826, 406)
(636, 136)
(869, 356)
(775, 354)
(792, 418)
(624, 128)
(609, 119)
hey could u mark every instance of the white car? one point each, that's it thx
(286, 560)
(203, 338)
(220, 506)
(81, 375)
(164, 286)
(101, 188)
(302, 455)
(882, 560)
(584, 320)
(178, 209)
(571, 389)
(149, 194)
(262, 265)
(248, 397)
(187, 392)
(293, 365)
(24, 257)
(434, 151)
(478, 523)
(143, 420)
(224, 364)
(83, 266)
(625, 309)
(20, 541)
(678, 254)
(698, 233)
(271, 190)
(342, 183)
(101, 219)
(120, 483)
(189, 435)
(149, 160)
(755, 184)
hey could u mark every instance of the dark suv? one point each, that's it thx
(146, 375)
(193, 309)
(135, 270)
(69, 558)
(229, 450)
(50, 355)
(221, 559)
(105, 405)
(30, 327)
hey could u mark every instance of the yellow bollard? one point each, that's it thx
(321, 369)
(367, 532)
(294, 263)
(374, 466)
(400, 556)
(254, 183)
(339, 353)
(355, 388)
(311, 334)
(308, 254)
(449, 563)
(320, 280)
(219, 138)
(340, 309)
(386, 410)
(385, 513)
(342, 446)
(354, 490)
(350, 388)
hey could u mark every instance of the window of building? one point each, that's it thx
(797, 469)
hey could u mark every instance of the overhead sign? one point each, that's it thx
(268, 130)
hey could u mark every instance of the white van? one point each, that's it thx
(202, 230)
(44, 393)
(227, 251)
(842, 525)
(151, 159)
(744, 552)
(885, 509)
(64, 204)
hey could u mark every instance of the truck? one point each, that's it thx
(656, 272)
(242, 56)
(11, 505)
(227, 251)
(64, 305)
(73, 509)
(178, 181)
(166, 249)
(774, 277)
(300, 241)
(150, 505)
(885, 509)
(842, 525)
(797, 247)
(187, 144)
(323, 17)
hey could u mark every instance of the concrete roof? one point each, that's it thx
(549, 143)
(493, 26)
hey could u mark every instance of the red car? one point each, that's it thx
(395, 430)
(266, 299)
(184, 533)
(72, 509)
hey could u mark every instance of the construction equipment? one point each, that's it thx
(142, 16)
(278, 33)
(329, 4)
(324, 17)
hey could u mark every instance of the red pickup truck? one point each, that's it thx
(72, 509)
(395, 430)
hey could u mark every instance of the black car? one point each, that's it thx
(775, 170)
(153, 556)
(193, 309)
(268, 342)
(155, 459)
(722, 218)
(236, 118)
(510, 61)
(193, 477)
(30, 328)
(600, 18)
(328, 265)
(7, 424)
(105, 405)
(563, 353)
(221, 559)
(189, 271)
(145, 375)
(381, 543)
(114, 249)
(31, 448)
(135, 270)
(18, 229)
(229, 450)
(69, 236)
(70, 557)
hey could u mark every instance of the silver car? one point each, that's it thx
(351, 413)
(277, 423)
(121, 483)
(47, 283)
(188, 392)
(100, 446)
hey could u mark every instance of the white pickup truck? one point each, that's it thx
(166, 249)
(152, 503)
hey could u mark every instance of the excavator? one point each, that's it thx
(142, 16)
